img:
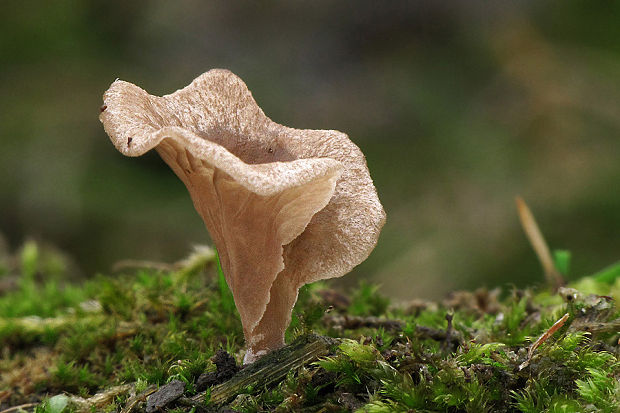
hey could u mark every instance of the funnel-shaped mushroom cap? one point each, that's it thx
(285, 207)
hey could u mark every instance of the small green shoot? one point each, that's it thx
(562, 261)
(609, 274)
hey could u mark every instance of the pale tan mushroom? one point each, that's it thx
(284, 207)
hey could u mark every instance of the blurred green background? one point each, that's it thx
(458, 105)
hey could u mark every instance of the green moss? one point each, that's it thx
(150, 327)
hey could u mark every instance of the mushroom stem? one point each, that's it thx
(269, 332)
(249, 231)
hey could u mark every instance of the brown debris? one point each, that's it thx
(226, 368)
(481, 301)
(335, 299)
(165, 396)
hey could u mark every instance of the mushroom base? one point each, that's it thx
(268, 335)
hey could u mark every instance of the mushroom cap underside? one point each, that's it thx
(217, 110)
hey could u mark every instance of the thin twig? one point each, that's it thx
(200, 256)
(141, 397)
(543, 337)
(151, 265)
(100, 399)
(38, 325)
(19, 408)
(528, 222)
(597, 327)
(348, 322)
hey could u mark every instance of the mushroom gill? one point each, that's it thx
(284, 207)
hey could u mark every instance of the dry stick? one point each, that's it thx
(201, 255)
(81, 404)
(141, 397)
(544, 337)
(554, 278)
(349, 322)
(151, 265)
(597, 327)
(101, 399)
(269, 369)
(38, 325)
(19, 408)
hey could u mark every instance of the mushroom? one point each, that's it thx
(284, 207)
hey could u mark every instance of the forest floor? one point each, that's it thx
(157, 337)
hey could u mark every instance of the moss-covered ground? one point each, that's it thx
(122, 336)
